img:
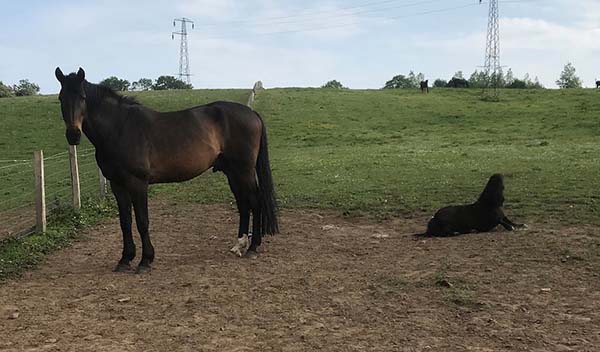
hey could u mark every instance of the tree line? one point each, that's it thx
(24, 88)
(161, 83)
(478, 79)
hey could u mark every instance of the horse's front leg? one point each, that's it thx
(507, 222)
(139, 197)
(124, 204)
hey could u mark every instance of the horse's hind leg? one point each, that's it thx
(124, 203)
(253, 197)
(242, 203)
(245, 188)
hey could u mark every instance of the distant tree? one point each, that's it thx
(115, 83)
(458, 83)
(142, 84)
(478, 79)
(509, 77)
(535, 84)
(529, 84)
(568, 78)
(459, 75)
(399, 81)
(415, 79)
(517, 84)
(440, 83)
(170, 82)
(25, 88)
(6, 91)
(334, 85)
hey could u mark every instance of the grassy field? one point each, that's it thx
(386, 153)
(395, 152)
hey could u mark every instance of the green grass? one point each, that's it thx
(388, 153)
(396, 152)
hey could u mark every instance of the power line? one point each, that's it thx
(353, 23)
(337, 13)
(347, 24)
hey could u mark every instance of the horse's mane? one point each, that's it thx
(493, 193)
(96, 93)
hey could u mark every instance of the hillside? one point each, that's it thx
(388, 152)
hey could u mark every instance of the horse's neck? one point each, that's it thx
(101, 123)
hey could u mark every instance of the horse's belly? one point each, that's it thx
(179, 168)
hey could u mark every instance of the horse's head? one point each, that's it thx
(72, 103)
(493, 194)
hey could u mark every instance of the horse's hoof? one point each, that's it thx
(240, 246)
(251, 254)
(122, 268)
(143, 269)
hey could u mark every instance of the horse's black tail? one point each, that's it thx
(267, 197)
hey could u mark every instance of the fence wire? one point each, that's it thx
(17, 192)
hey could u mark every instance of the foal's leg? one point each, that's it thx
(124, 203)
(243, 208)
(139, 197)
(506, 222)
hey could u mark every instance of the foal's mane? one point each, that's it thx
(96, 93)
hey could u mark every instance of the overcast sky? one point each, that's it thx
(361, 43)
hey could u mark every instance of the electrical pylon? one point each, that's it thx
(184, 60)
(492, 66)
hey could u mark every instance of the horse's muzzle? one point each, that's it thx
(73, 136)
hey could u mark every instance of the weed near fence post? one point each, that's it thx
(40, 193)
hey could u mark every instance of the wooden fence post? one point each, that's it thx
(75, 187)
(257, 86)
(40, 193)
(102, 183)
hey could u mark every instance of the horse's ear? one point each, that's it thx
(81, 74)
(59, 75)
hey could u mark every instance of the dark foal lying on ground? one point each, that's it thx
(482, 216)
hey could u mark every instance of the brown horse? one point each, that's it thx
(137, 146)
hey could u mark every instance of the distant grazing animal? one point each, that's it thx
(482, 216)
(597, 84)
(425, 86)
(458, 83)
(137, 146)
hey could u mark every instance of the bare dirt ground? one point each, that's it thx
(326, 283)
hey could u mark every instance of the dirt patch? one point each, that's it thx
(325, 283)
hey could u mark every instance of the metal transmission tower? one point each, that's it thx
(184, 60)
(492, 66)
